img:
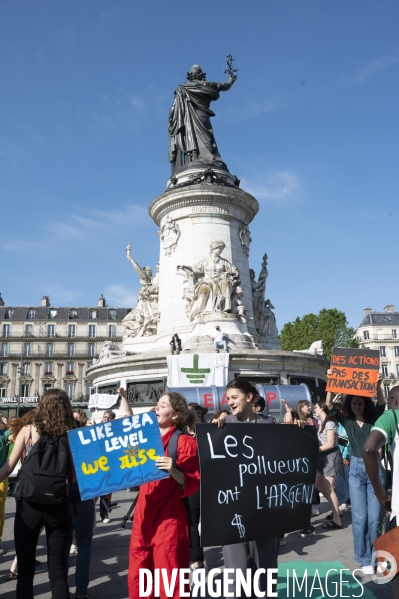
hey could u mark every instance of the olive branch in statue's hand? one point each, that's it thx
(229, 68)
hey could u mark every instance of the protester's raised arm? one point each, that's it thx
(124, 402)
(380, 393)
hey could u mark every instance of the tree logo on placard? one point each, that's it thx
(195, 374)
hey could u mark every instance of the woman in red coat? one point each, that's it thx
(160, 534)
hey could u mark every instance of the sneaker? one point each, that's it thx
(368, 570)
(315, 511)
(342, 507)
(306, 532)
(73, 550)
(106, 520)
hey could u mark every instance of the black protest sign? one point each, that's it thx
(257, 480)
(354, 371)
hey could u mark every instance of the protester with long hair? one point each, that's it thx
(262, 552)
(330, 462)
(358, 416)
(53, 417)
(305, 413)
(160, 533)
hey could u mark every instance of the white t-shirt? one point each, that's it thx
(386, 425)
(218, 337)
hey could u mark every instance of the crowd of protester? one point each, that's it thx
(351, 431)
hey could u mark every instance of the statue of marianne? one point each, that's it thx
(190, 131)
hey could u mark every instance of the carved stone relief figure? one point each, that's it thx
(169, 234)
(264, 319)
(109, 351)
(212, 283)
(245, 237)
(143, 319)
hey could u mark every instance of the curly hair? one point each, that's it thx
(186, 417)
(368, 407)
(199, 411)
(17, 423)
(53, 416)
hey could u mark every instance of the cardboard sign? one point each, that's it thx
(354, 371)
(257, 480)
(116, 455)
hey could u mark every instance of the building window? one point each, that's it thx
(366, 335)
(397, 370)
(89, 364)
(25, 390)
(4, 350)
(89, 387)
(2, 390)
(394, 334)
(73, 314)
(72, 330)
(28, 330)
(3, 368)
(386, 391)
(31, 313)
(9, 314)
(384, 368)
(27, 349)
(112, 331)
(69, 390)
(25, 369)
(112, 314)
(71, 349)
(379, 334)
(47, 386)
(92, 330)
(396, 350)
(70, 368)
(6, 330)
(48, 369)
(382, 351)
(92, 314)
(52, 314)
(51, 330)
(49, 349)
(91, 348)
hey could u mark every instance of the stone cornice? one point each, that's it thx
(197, 195)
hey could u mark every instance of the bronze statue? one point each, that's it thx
(191, 137)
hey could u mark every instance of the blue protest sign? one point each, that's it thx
(112, 456)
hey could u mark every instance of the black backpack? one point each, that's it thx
(46, 474)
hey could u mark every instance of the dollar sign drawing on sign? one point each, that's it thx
(237, 522)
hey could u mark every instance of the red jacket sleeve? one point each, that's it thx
(187, 461)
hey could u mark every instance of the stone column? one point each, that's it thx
(37, 390)
(14, 390)
(59, 375)
(80, 379)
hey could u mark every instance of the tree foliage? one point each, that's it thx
(330, 325)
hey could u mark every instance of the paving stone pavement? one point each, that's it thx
(108, 572)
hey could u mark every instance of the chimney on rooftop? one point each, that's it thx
(389, 308)
(45, 301)
(101, 301)
(1, 301)
(367, 311)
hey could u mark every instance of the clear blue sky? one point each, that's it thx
(310, 128)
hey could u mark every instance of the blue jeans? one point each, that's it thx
(365, 511)
(83, 524)
(223, 343)
(342, 485)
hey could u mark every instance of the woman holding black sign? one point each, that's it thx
(357, 417)
(262, 552)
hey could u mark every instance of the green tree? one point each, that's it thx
(329, 325)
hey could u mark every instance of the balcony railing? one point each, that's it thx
(56, 354)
